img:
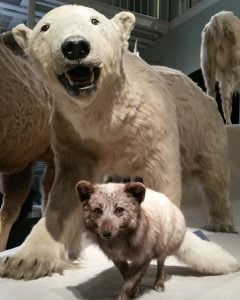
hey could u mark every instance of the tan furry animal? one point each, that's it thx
(24, 135)
(220, 58)
(130, 226)
(115, 114)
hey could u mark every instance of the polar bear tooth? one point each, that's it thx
(69, 79)
(92, 76)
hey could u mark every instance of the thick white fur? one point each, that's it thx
(220, 57)
(168, 227)
(137, 123)
(206, 257)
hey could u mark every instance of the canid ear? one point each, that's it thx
(22, 35)
(125, 22)
(84, 190)
(136, 190)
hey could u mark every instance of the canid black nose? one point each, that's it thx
(107, 234)
(75, 47)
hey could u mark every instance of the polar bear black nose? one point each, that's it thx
(75, 47)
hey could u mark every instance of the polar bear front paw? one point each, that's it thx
(23, 266)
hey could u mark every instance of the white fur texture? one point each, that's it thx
(220, 58)
(167, 221)
(206, 257)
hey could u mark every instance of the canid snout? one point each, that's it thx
(75, 47)
(108, 228)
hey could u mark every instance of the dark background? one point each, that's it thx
(198, 78)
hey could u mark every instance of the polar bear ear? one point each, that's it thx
(22, 35)
(125, 21)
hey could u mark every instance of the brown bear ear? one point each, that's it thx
(136, 190)
(84, 190)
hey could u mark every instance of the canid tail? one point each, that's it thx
(219, 28)
(206, 257)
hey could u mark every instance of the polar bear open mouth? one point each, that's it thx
(80, 79)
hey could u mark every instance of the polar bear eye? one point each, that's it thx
(45, 27)
(94, 21)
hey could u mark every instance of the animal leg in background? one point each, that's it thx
(47, 182)
(226, 96)
(208, 63)
(215, 177)
(16, 188)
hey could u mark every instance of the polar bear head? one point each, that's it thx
(79, 46)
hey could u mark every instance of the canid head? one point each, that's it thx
(111, 210)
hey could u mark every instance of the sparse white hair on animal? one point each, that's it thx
(220, 58)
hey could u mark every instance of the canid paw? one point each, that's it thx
(159, 286)
(31, 266)
(135, 293)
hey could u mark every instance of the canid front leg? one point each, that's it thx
(132, 281)
(124, 268)
(159, 282)
(46, 248)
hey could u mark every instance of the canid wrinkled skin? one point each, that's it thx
(115, 114)
(220, 56)
(134, 224)
(24, 134)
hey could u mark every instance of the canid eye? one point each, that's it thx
(97, 211)
(119, 210)
(94, 21)
(45, 28)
